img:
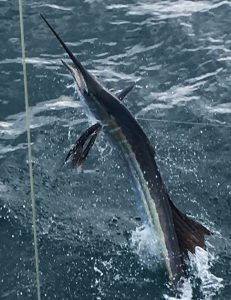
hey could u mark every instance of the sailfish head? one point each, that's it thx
(94, 93)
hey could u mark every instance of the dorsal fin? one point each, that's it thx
(189, 232)
(121, 95)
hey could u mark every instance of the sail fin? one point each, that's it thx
(122, 94)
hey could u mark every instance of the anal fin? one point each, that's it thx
(190, 233)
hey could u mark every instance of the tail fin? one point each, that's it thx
(189, 232)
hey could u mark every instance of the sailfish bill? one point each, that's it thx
(177, 233)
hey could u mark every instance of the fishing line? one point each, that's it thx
(184, 122)
(29, 150)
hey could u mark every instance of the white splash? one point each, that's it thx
(185, 290)
(210, 285)
(201, 263)
(145, 246)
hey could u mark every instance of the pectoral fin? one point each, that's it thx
(82, 146)
(121, 95)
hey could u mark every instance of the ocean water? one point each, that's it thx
(94, 241)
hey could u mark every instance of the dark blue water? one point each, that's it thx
(93, 241)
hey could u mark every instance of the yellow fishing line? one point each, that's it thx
(29, 151)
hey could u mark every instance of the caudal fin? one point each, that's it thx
(189, 232)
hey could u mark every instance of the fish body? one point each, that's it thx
(177, 233)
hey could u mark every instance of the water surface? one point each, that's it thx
(94, 242)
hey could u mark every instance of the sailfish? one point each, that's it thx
(177, 233)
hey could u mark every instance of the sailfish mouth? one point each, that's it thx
(78, 77)
(84, 80)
